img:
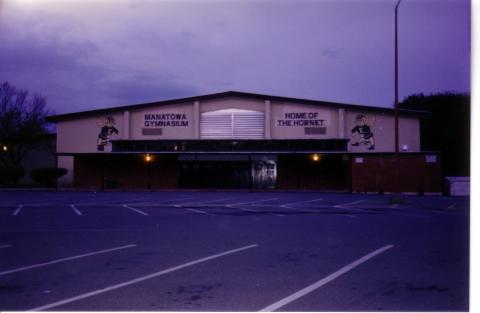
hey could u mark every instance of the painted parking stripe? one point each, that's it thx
(289, 205)
(25, 268)
(200, 212)
(411, 215)
(300, 202)
(350, 203)
(17, 210)
(323, 281)
(134, 209)
(234, 206)
(179, 205)
(306, 210)
(5, 246)
(347, 206)
(74, 208)
(156, 203)
(143, 278)
(251, 202)
(451, 206)
(258, 211)
(107, 201)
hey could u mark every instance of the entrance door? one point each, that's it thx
(215, 174)
(264, 173)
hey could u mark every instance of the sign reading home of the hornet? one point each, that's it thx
(301, 119)
(312, 123)
(154, 123)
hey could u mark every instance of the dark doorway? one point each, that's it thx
(215, 174)
(323, 172)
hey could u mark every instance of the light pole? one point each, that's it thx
(396, 199)
(396, 80)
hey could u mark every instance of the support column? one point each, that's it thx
(268, 134)
(196, 120)
(126, 125)
(341, 123)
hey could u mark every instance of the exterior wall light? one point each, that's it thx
(148, 158)
(4, 148)
(316, 157)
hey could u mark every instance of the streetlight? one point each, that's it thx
(396, 79)
(396, 198)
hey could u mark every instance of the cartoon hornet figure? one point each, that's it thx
(107, 129)
(362, 132)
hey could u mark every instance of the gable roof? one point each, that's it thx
(60, 117)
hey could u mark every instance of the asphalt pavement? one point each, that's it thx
(232, 251)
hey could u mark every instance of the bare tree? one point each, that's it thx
(22, 122)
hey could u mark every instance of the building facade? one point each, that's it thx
(245, 141)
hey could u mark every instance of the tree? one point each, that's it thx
(22, 121)
(446, 129)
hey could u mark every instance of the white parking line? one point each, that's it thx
(20, 269)
(212, 201)
(324, 281)
(289, 205)
(74, 208)
(298, 209)
(350, 203)
(306, 210)
(108, 201)
(156, 203)
(140, 279)
(411, 215)
(257, 211)
(19, 208)
(247, 210)
(300, 202)
(5, 246)
(235, 206)
(251, 202)
(179, 205)
(200, 212)
(134, 209)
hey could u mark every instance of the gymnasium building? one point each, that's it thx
(237, 140)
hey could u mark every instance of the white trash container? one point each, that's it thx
(458, 186)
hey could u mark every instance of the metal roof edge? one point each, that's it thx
(231, 93)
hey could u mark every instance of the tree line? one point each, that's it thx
(22, 124)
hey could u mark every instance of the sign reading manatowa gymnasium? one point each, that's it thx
(165, 120)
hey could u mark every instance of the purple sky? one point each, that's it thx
(89, 54)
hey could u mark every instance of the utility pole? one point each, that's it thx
(396, 199)
(396, 81)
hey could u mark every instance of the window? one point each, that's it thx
(232, 124)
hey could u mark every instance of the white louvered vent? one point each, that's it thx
(232, 124)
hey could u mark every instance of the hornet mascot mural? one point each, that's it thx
(107, 130)
(362, 132)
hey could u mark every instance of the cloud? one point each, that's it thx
(92, 53)
(30, 53)
(75, 74)
(330, 53)
(146, 87)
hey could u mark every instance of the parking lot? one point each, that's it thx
(232, 251)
